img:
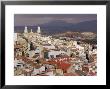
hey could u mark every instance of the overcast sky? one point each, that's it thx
(36, 19)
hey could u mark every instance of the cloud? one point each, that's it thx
(35, 19)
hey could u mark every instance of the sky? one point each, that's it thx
(37, 19)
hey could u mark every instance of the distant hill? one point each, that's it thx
(59, 26)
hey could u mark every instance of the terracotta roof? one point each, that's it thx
(63, 66)
(71, 74)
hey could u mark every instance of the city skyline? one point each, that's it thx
(60, 46)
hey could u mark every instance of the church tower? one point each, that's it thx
(31, 31)
(25, 29)
(38, 30)
(25, 32)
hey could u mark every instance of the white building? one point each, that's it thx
(55, 53)
(49, 46)
(39, 50)
(15, 36)
(80, 48)
(31, 53)
(25, 30)
(38, 30)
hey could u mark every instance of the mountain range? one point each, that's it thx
(60, 26)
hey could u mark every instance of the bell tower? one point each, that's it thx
(25, 29)
(38, 30)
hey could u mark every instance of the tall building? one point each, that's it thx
(25, 32)
(25, 29)
(38, 30)
(31, 31)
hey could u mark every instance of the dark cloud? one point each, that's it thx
(35, 19)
